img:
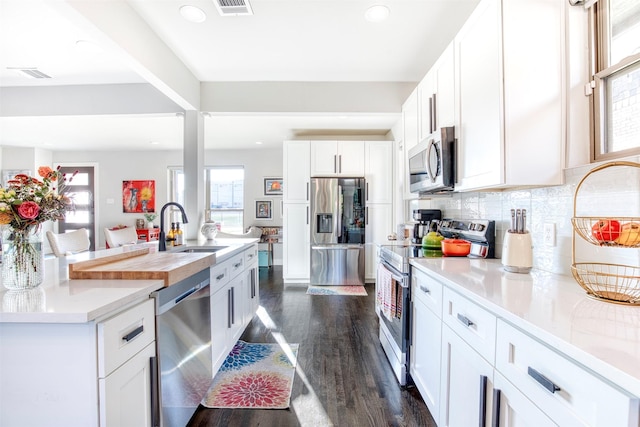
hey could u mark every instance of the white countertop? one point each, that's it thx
(604, 337)
(60, 300)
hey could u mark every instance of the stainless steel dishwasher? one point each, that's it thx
(181, 374)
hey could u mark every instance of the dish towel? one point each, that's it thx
(383, 291)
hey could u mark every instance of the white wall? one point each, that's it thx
(613, 192)
(114, 167)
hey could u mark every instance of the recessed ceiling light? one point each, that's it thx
(259, 142)
(192, 13)
(154, 143)
(377, 13)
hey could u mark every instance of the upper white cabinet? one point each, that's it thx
(296, 171)
(436, 95)
(378, 162)
(510, 94)
(337, 158)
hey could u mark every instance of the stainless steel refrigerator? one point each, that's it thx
(337, 231)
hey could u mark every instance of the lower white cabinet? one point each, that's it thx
(125, 394)
(466, 384)
(494, 373)
(79, 374)
(234, 300)
(512, 408)
(296, 246)
(569, 394)
(424, 360)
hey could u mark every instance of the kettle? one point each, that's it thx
(517, 252)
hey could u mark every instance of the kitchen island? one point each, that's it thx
(77, 352)
(547, 352)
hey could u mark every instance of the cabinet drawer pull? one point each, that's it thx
(220, 277)
(544, 381)
(237, 265)
(464, 319)
(425, 290)
(131, 335)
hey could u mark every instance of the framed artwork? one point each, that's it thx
(273, 186)
(138, 196)
(9, 174)
(263, 209)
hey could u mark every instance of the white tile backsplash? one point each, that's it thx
(610, 192)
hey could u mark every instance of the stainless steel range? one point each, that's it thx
(393, 286)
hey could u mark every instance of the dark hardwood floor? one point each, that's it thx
(343, 377)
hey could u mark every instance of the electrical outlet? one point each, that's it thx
(549, 234)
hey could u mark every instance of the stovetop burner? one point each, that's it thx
(481, 233)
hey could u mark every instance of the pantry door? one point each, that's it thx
(81, 188)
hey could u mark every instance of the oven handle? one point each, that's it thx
(397, 277)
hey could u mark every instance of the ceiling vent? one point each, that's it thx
(233, 7)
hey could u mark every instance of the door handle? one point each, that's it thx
(425, 290)
(495, 419)
(307, 191)
(335, 163)
(340, 163)
(483, 401)
(228, 308)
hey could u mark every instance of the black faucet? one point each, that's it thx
(162, 245)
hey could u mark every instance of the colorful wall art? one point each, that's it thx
(138, 196)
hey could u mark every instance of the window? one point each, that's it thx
(224, 195)
(616, 101)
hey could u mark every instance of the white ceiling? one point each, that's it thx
(284, 41)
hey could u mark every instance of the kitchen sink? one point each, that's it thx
(193, 249)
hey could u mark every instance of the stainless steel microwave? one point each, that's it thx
(432, 163)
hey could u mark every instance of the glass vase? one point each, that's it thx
(22, 257)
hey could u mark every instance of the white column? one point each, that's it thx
(193, 165)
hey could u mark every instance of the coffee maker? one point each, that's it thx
(423, 219)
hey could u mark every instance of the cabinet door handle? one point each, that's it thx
(229, 308)
(233, 306)
(464, 319)
(131, 335)
(544, 381)
(340, 163)
(307, 191)
(220, 277)
(335, 163)
(434, 115)
(367, 191)
(154, 400)
(366, 215)
(483, 401)
(425, 290)
(495, 418)
(307, 215)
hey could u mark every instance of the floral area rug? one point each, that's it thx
(258, 376)
(337, 290)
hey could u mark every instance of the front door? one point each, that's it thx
(81, 187)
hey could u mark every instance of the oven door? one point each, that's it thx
(393, 311)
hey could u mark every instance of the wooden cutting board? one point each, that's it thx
(139, 264)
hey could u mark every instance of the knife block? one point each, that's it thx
(517, 252)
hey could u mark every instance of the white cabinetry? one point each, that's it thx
(234, 301)
(296, 256)
(84, 374)
(378, 161)
(426, 330)
(410, 130)
(568, 394)
(510, 95)
(337, 158)
(436, 94)
(468, 352)
(296, 232)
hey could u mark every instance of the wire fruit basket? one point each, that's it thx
(608, 282)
